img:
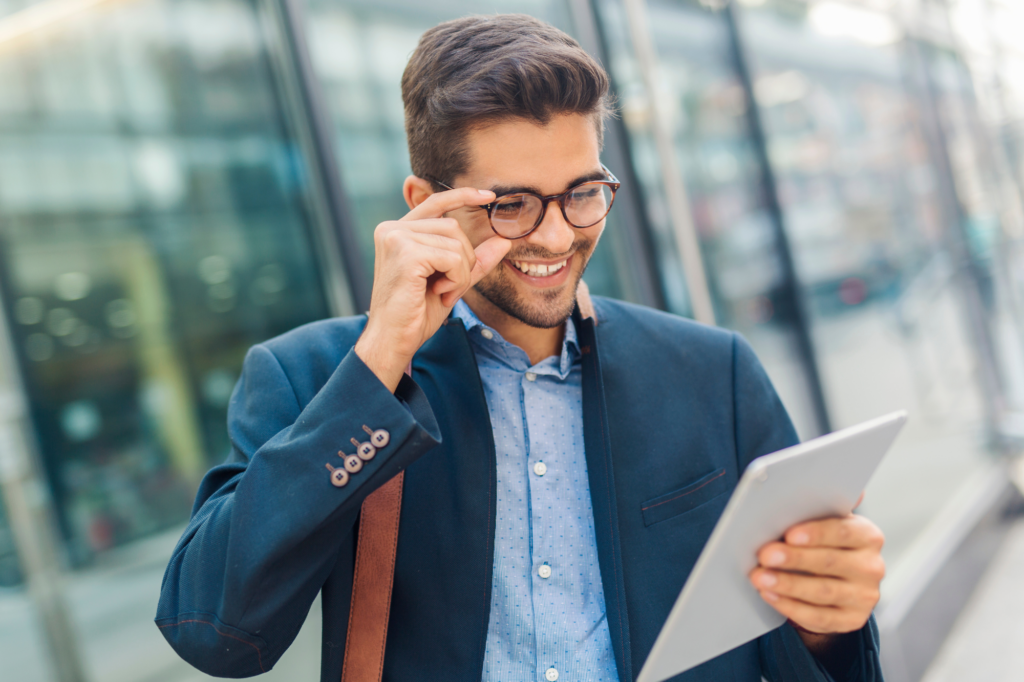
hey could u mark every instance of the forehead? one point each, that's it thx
(526, 153)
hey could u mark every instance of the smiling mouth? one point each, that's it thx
(539, 269)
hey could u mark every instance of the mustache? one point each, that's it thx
(535, 253)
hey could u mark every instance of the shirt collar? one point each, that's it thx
(512, 355)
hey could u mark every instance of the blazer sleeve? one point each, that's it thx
(762, 427)
(267, 524)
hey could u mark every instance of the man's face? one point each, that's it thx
(520, 156)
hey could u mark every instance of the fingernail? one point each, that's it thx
(770, 596)
(800, 538)
(775, 558)
(485, 192)
(767, 580)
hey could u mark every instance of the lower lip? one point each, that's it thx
(546, 281)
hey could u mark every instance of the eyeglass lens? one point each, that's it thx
(517, 214)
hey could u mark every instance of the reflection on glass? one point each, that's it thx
(359, 51)
(154, 226)
(153, 229)
(708, 114)
(860, 188)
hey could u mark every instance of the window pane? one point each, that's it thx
(154, 225)
(708, 114)
(862, 194)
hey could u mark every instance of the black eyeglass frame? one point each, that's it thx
(613, 183)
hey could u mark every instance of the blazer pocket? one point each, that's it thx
(686, 498)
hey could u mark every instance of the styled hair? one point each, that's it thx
(481, 70)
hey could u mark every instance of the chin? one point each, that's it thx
(543, 308)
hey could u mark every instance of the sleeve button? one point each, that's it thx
(364, 450)
(378, 438)
(353, 464)
(339, 477)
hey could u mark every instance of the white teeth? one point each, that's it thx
(539, 269)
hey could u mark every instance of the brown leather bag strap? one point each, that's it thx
(372, 582)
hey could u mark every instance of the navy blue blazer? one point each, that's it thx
(673, 411)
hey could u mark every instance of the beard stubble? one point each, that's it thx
(551, 310)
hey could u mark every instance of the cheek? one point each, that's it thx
(589, 238)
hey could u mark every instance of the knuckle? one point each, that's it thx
(880, 568)
(827, 591)
(450, 223)
(391, 238)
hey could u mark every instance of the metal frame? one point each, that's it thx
(921, 83)
(348, 283)
(791, 284)
(641, 279)
(680, 213)
(30, 510)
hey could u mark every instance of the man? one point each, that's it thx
(565, 459)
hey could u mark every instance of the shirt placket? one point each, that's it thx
(543, 475)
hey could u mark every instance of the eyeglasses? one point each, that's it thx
(513, 216)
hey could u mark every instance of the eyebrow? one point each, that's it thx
(501, 190)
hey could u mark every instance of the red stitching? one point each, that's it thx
(259, 657)
(688, 492)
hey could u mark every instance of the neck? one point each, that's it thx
(536, 342)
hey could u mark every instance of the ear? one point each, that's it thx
(416, 190)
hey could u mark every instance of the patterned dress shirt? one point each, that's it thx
(547, 617)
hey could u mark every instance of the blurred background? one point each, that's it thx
(839, 180)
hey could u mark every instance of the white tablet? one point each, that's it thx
(718, 609)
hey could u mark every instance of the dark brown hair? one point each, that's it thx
(485, 69)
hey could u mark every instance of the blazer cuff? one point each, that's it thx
(790, 659)
(301, 462)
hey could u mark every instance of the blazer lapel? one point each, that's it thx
(602, 489)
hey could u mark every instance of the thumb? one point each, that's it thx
(488, 255)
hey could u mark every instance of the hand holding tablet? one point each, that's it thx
(823, 575)
(778, 498)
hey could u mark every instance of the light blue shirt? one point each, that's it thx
(547, 618)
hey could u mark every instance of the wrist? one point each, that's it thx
(380, 359)
(837, 652)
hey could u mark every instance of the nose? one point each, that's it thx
(553, 233)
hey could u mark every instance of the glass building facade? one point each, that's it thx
(181, 179)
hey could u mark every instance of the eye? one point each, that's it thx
(585, 193)
(510, 207)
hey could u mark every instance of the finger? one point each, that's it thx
(858, 565)
(489, 254)
(815, 589)
(448, 264)
(439, 203)
(823, 620)
(849, 532)
(441, 241)
(446, 227)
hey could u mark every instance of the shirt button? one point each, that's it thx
(540, 468)
(487, 334)
(551, 674)
(545, 572)
(530, 376)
